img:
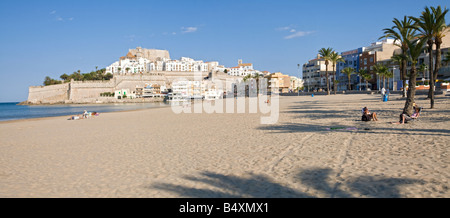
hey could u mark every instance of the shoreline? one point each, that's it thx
(395, 97)
(54, 117)
(130, 101)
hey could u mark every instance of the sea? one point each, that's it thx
(12, 111)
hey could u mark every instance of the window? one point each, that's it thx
(365, 61)
(371, 60)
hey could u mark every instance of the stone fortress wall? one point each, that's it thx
(89, 91)
(54, 93)
(150, 54)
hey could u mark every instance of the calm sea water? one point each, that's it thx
(12, 111)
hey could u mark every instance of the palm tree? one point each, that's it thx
(257, 77)
(361, 73)
(423, 68)
(366, 77)
(439, 33)
(77, 76)
(249, 76)
(382, 71)
(389, 74)
(426, 25)
(414, 51)
(65, 77)
(335, 58)
(399, 59)
(348, 71)
(400, 32)
(325, 53)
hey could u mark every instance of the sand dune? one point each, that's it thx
(156, 153)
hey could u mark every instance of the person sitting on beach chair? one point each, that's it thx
(368, 116)
(404, 118)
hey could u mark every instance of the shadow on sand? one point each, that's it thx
(261, 186)
(361, 126)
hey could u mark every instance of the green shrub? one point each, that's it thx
(107, 94)
(49, 81)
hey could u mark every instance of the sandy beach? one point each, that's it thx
(156, 153)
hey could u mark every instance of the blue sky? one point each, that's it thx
(52, 37)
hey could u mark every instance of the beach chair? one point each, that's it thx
(412, 119)
(420, 114)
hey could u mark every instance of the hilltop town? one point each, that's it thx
(148, 75)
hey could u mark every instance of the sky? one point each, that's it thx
(53, 37)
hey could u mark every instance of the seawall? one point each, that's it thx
(89, 91)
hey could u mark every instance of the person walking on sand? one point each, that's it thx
(85, 114)
(383, 92)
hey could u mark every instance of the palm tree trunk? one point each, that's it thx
(411, 92)
(404, 77)
(367, 84)
(437, 66)
(334, 78)
(389, 83)
(328, 81)
(430, 69)
(349, 86)
(388, 79)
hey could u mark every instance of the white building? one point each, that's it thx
(314, 74)
(197, 89)
(296, 83)
(129, 64)
(186, 65)
(183, 65)
(124, 93)
(188, 89)
(212, 66)
(243, 69)
(132, 64)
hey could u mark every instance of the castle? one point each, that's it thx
(127, 79)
